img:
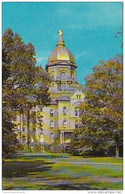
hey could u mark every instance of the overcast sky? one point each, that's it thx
(88, 29)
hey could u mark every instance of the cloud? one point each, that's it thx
(41, 59)
(80, 55)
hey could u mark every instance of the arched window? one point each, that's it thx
(63, 75)
(52, 135)
(76, 111)
(64, 110)
(41, 138)
(51, 124)
(76, 124)
(65, 123)
(51, 112)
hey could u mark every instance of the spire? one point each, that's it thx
(60, 41)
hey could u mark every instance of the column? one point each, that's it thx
(62, 137)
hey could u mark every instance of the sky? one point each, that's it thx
(88, 29)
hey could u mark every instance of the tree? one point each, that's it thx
(102, 116)
(23, 84)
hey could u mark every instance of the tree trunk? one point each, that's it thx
(117, 152)
(28, 138)
(20, 127)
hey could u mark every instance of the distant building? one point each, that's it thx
(61, 117)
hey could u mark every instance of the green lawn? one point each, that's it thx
(48, 171)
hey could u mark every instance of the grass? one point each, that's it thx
(48, 171)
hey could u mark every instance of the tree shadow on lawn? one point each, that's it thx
(73, 187)
(22, 168)
(45, 156)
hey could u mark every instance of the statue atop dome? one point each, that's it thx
(60, 41)
(60, 35)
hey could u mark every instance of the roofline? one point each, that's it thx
(64, 100)
(55, 64)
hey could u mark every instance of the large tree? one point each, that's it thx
(102, 111)
(23, 85)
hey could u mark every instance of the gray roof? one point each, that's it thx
(64, 98)
(53, 102)
(71, 89)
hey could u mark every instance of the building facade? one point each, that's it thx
(61, 117)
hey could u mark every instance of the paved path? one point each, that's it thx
(85, 163)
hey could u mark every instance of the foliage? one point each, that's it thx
(102, 116)
(24, 84)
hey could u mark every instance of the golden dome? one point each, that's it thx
(61, 54)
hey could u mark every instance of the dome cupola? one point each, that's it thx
(60, 55)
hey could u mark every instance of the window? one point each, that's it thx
(76, 111)
(14, 118)
(23, 118)
(41, 138)
(65, 123)
(64, 110)
(63, 76)
(52, 135)
(51, 112)
(41, 125)
(52, 76)
(76, 124)
(40, 118)
(51, 124)
(23, 139)
(63, 87)
(78, 96)
(59, 87)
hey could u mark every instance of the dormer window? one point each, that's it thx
(78, 96)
